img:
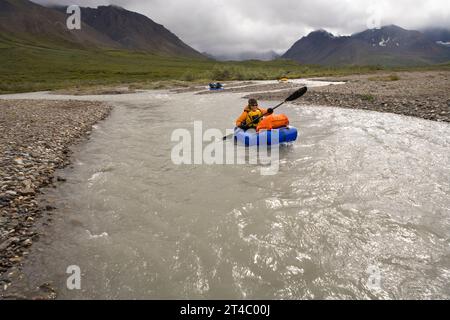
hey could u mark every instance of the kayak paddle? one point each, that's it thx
(297, 94)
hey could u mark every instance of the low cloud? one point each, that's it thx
(233, 26)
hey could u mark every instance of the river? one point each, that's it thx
(360, 209)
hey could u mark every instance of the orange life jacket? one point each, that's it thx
(251, 118)
(273, 121)
(247, 117)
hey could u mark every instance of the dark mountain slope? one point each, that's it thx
(110, 27)
(26, 21)
(390, 45)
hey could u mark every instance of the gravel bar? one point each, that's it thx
(35, 141)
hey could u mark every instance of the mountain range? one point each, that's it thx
(389, 45)
(105, 27)
(134, 31)
(112, 27)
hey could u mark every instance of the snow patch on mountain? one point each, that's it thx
(443, 43)
(383, 43)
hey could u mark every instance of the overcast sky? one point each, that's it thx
(231, 26)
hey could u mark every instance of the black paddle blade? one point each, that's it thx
(297, 94)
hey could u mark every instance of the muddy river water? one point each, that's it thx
(360, 209)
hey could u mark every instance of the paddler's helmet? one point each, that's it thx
(252, 103)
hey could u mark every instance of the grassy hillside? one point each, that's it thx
(29, 67)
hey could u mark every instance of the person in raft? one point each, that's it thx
(252, 115)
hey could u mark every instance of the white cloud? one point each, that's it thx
(229, 26)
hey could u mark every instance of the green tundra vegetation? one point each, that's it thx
(27, 66)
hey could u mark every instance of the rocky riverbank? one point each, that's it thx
(420, 94)
(35, 140)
